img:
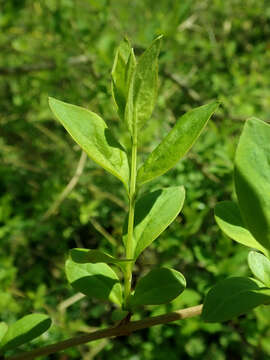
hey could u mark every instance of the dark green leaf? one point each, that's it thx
(24, 330)
(159, 286)
(94, 137)
(260, 267)
(228, 218)
(118, 315)
(252, 179)
(154, 212)
(177, 143)
(233, 297)
(94, 280)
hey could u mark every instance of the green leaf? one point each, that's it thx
(143, 87)
(3, 330)
(118, 315)
(24, 330)
(228, 218)
(252, 179)
(233, 297)
(94, 137)
(94, 280)
(123, 67)
(159, 286)
(260, 267)
(83, 256)
(177, 143)
(154, 212)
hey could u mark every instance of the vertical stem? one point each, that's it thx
(132, 191)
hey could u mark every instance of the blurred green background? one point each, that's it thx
(53, 199)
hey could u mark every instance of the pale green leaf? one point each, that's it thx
(260, 267)
(154, 212)
(177, 143)
(233, 297)
(123, 67)
(94, 280)
(159, 286)
(3, 330)
(228, 218)
(94, 137)
(83, 256)
(143, 88)
(252, 179)
(24, 330)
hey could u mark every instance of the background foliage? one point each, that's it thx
(65, 48)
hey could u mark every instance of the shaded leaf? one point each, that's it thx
(228, 218)
(177, 143)
(118, 315)
(154, 212)
(233, 297)
(252, 179)
(24, 330)
(159, 286)
(260, 267)
(94, 280)
(94, 137)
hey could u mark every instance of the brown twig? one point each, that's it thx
(110, 332)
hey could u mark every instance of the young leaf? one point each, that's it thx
(252, 179)
(143, 87)
(177, 143)
(159, 286)
(233, 297)
(94, 137)
(123, 67)
(3, 330)
(154, 212)
(260, 267)
(94, 280)
(24, 330)
(83, 256)
(228, 218)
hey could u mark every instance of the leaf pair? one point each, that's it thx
(249, 222)
(22, 331)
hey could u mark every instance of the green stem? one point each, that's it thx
(129, 244)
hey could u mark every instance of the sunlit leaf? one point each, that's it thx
(228, 218)
(252, 179)
(260, 267)
(177, 143)
(154, 212)
(94, 137)
(24, 330)
(94, 280)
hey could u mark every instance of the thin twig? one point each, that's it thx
(122, 330)
(47, 65)
(103, 231)
(70, 186)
